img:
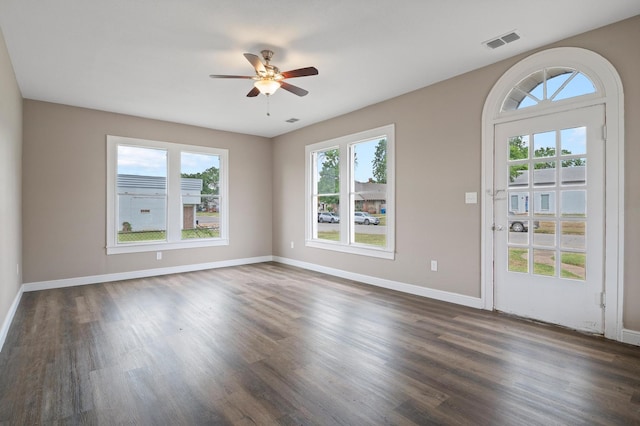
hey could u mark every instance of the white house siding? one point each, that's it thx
(142, 200)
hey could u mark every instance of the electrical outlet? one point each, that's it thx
(158, 255)
(434, 265)
(291, 244)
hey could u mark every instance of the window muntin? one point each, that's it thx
(548, 85)
(352, 178)
(164, 196)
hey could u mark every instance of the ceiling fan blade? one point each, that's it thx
(230, 76)
(256, 62)
(301, 72)
(253, 93)
(293, 89)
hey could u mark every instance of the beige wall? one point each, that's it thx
(438, 148)
(64, 196)
(10, 182)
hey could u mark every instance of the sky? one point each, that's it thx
(140, 161)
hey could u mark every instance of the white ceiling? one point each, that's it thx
(152, 58)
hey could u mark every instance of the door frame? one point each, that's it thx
(609, 93)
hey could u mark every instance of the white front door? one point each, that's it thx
(549, 218)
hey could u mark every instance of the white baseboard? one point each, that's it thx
(627, 336)
(4, 331)
(631, 337)
(95, 279)
(445, 296)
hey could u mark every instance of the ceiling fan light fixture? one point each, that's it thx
(267, 86)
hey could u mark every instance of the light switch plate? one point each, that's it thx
(471, 198)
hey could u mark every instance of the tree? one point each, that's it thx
(518, 150)
(210, 178)
(210, 185)
(379, 162)
(329, 182)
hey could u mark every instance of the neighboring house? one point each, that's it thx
(544, 200)
(370, 197)
(142, 202)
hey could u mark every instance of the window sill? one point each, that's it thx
(161, 246)
(352, 249)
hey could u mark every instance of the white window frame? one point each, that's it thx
(344, 144)
(174, 200)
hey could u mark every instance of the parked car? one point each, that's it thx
(328, 217)
(522, 225)
(364, 218)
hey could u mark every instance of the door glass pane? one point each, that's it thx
(544, 173)
(518, 203)
(519, 147)
(544, 203)
(519, 232)
(518, 259)
(573, 203)
(573, 265)
(544, 144)
(544, 262)
(574, 171)
(142, 194)
(574, 141)
(519, 175)
(573, 235)
(200, 194)
(544, 234)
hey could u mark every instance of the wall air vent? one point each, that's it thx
(502, 40)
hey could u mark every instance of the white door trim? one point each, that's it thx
(609, 86)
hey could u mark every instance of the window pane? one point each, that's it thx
(519, 148)
(544, 203)
(142, 194)
(544, 173)
(544, 144)
(544, 262)
(574, 171)
(579, 85)
(573, 265)
(328, 218)
(574, 203)
(519, 175)
(369, 192)
(574, 141)
(328, 168)
(518, 259)
(573, 235)
(545, 234)
(200, 194)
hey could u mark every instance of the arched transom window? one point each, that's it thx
(548, 85)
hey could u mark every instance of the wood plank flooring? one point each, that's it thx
(270, 344)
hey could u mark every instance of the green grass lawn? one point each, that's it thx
(371, 239)
(518, 263)
(133, 237)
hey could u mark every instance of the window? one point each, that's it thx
(548, 85)
(163, 196)
(350, 194)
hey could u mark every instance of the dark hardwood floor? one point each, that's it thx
(271, 344)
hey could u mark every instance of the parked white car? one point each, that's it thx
(364, 218)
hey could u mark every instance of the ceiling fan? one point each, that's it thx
(268, 77)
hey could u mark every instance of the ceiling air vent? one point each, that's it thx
(502, 40)
(292, 120)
